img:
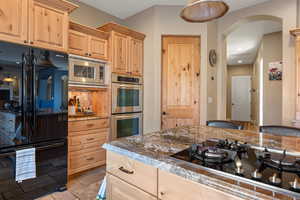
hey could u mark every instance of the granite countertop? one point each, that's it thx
(156, 148)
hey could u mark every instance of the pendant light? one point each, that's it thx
(204, 10)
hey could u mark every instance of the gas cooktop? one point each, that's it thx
(274, 170)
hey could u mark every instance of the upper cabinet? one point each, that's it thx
(296, 33)
(88, 42)
(13, 21)
(126, 49)
(40, 23)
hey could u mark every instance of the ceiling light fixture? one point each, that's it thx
(240, 61)
(204, 10)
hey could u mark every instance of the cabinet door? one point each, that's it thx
(48, 27)
(120, 53)
(14, 20)
(78, 43)
(136, 57)
(98, 48)
(169, 184)
(120, 190)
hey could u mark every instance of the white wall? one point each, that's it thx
(156, 22)
(285, 10)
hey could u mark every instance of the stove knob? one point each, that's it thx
(295, 184)
(275, 179)
(256, 174)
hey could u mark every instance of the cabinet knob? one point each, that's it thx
(25, 41)
(162, 193)
(87, 54)
(90, 54)
(31, 42)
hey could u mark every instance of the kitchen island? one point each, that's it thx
(141, 167)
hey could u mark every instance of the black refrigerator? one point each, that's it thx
(33, 114)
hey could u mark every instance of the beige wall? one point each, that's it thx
(155, 22)
(212, 43)
(90, 16)
(285, 10)
(235, 70)
(272, 90)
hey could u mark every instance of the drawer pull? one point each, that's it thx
(90, 125)
(125, 170)
(90, 139)
(90, 159)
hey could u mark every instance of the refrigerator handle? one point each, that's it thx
(23, 92)
(33, 90)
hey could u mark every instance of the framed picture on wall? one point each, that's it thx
(275, 71)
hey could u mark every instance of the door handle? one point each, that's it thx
(164, 113)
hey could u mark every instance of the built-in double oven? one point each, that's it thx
(127, 106)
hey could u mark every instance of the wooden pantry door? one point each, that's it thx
(180, 81)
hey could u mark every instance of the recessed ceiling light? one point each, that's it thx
(240, 61)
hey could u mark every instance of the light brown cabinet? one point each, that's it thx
(120, 53)
(39, 23)
(14, 20)
(120, 190)
(78, 43)
(88, 42)
(136, 56)
(169, 184)
(85, 140)
(126, 49)
(128, 179)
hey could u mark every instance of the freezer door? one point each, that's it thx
(49, 96)
(51, 162)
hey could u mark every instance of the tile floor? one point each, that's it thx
(84, 186)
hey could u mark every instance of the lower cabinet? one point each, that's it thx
(85, 141)
(128, 179)
(120, 190)
(173, 187)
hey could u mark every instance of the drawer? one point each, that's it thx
(120, 190)
(173, 187)
(133, 172)
(97, 136)
(83, 160)
(75, 126)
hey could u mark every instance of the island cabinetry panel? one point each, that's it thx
(120, 190)
(85, 140)
(14, 21)
(88, 42)
(126, 50)
(133, 172)
(172, 187)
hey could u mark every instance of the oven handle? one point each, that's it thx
(127, 116)
(130, 86)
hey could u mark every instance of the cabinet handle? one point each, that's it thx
(90, 159)
(31, 42)
(162, 193)
(87, 54)
(25, 41)
(90, 125)
(90, 139)
(90, 54)
(126, 170)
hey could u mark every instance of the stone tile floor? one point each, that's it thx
(84, 186)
